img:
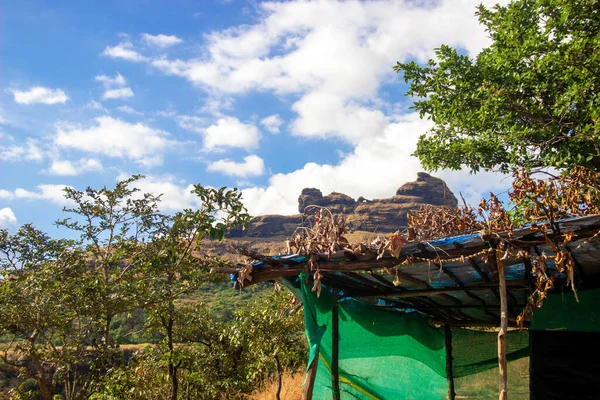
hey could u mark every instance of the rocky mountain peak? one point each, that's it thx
(377, 215)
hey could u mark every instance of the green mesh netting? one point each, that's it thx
(384, 354)
(563, 312)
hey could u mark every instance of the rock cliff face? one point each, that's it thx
(378, 215)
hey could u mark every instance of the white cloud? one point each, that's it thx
(28, 151)
(124, 51)
(8, 220)
(68, 168)
(109, 82)
(226, 132)
(39, 94)
(161, 40)
(120, 93)
(322, 114)
(272, 123)
(375, 169)
(230, 132)
(129, 110)
(96, 105)
(114, 87)
(190, 122)
(332, 59)
(175, 195)
(115, 138)
(52, 193)
(334, 56)
(252, 166)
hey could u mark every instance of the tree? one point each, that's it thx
(176, 268)
(274, 334)
(44, 311)
(115, 226)
(529, 100)
(59, 297)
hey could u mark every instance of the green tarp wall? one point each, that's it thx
(386, 354)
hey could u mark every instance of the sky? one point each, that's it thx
(268, 97)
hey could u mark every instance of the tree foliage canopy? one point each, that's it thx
(529, 100)
(59, 298)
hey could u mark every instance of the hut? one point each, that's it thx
(405, 321)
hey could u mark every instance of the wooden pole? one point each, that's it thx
(309, 379)
(335, 373)
(449, 358)
(502, 333)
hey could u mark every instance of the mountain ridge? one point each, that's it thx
(378, 215)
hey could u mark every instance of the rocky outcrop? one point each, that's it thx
(378, 215)
(337, 202)
(269, 225)
(427, 190)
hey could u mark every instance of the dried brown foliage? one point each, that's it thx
(573, 194)
(431, 222)
(324, 235)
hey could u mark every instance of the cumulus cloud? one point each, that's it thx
(161, 41)
(272, 123)
(39, 94)
(69, 168)
(115, 138)
(28, 151)
(332, 60)
(8, 220)
(119, 93)
(124, 51)
(175, 195)
(52, 193)
(107, 81)
(334, 56)
(253, 165)
(114, 87)
(375, 169)
(228, 132)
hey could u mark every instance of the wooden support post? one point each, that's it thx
(309, 379)
(335, 373)
(503, 329)
(449, 358)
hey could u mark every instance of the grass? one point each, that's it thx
(291, 388)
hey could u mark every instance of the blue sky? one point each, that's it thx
(270, 97)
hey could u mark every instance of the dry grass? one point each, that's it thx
(291, 388)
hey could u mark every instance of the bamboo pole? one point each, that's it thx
(502, 333)
(335, 377)
(309, 379)
(449, 358)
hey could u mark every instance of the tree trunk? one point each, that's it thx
(172, 368)
(277, 395)
(174, 381)
(46, 389)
